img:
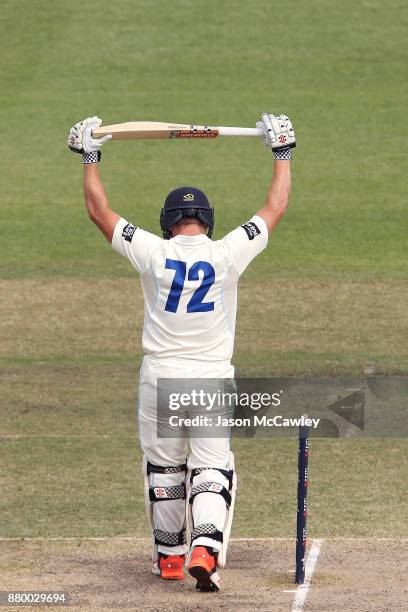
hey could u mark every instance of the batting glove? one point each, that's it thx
(80, 140)
(278, 135)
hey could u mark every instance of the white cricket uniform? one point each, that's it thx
(190, 290)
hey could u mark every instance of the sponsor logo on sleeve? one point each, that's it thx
(251, 229)
(128, 231)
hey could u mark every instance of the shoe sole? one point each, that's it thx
(203, 578)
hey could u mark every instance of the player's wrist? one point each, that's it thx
(93, 157)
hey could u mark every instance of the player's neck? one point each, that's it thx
(191, 229)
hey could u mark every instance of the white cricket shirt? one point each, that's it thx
(190, 287)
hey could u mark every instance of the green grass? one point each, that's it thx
(71, 465)
(69, 363)
(338, 71)
(84, 486)
(88, 486)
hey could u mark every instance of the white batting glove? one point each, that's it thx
(80, 140)
(278, 135)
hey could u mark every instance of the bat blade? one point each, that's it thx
(133, 130)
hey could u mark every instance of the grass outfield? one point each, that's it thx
(71, 466)
(327, 297)
(338, 71)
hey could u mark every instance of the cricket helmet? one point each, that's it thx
(186, 202)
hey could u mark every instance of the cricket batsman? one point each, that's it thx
(189, 285)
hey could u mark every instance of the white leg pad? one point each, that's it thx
(210, 508)
(166, 512)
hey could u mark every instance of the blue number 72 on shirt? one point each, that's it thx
(196, 303)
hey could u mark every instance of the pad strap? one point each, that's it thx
(165, 493)
(207, 530)
(211, 487)
(160, 469)
(166, 538)
(229, 474)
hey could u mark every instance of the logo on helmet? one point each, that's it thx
(188, 197)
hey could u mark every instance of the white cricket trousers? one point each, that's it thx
(199, 452)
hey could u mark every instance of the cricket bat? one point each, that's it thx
(135, 130)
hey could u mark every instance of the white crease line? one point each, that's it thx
(328, 539)
(120, 538)
(76, 538)
(147, 539)
(303, 589)
(58, 436)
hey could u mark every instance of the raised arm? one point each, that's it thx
(80, 141)
(96, 201)
(280, 137)
(277, 196)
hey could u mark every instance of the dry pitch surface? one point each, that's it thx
(109, 574)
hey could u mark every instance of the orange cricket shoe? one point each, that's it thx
(171, 566)
(203, 567)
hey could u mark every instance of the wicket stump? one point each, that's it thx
(301, 523)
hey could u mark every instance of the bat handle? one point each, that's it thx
(239, 131)
(100, 132)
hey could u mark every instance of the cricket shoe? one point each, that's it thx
(203, 567)
(170, 567)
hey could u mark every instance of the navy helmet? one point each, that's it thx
(186, 202)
